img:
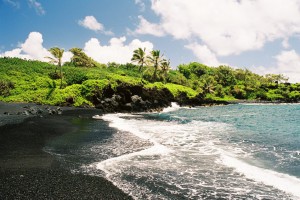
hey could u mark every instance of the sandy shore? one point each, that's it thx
(27, 172)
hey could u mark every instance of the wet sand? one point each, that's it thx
(27, 172)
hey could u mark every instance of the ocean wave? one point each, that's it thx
(281, 181)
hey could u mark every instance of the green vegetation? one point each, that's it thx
(57, 53)
(78, 80)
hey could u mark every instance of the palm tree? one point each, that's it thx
(165, 67)
(209, 85)
(139, 56)
(156, 59)
(57, 53)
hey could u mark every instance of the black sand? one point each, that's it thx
(27, 172)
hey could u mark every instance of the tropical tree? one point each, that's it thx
(155, 59)
(57, 53)
(80, 59)
(139, 56)
(225, 75)
(276, 78)
(209, 84)
(165, 67)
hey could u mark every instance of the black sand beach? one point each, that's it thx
(27, 172)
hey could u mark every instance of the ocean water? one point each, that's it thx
(243, 151)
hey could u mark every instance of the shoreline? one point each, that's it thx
(245, 101)
(28, 172)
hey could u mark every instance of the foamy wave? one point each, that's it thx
(157, 149)
(97, 117)
(116, 121)
(284, 182)
(174, 106)
(189, 151)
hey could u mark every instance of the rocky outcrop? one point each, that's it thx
(136, 98)
(132, 98)
(36, 111)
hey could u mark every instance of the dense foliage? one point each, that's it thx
(35, 81)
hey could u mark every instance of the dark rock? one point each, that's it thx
(70, 100)
(136, 99)
(26, 112)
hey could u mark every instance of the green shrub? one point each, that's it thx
(294, 96)
(177, 78)
(75, 77)
(54, 75)
(5, 87)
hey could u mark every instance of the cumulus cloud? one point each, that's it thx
(15, 53)
(33, 46)
(146, 27)
(33, 49)
(116, 51)
(287, 63)
(205, 55)
(90, 22)
(226, 27)
(37, 6)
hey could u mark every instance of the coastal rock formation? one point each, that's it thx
(36, 111)
(128, 98)
(136, 98)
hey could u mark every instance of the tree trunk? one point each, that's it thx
(140, 68)
(154, 74)
(60, 78)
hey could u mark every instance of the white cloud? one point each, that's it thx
(66, 57)
(15, 53)
(37, 6)
(13, 3)
(33, 46)
(226, 27)
(146, 27)
(116, 51)
(285, 43)
(204, 54)
(90, 22)
(287, 63)
(141, 4)
(33, 49)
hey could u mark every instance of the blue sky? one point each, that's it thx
(261, 35)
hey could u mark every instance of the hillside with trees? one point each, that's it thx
(147, 83)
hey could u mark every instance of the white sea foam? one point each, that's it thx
(284, 182)
(174, 106)
(189, 151)
(97, 117)
(157, 149)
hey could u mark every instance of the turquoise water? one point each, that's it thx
(224, 152)
(270, 133)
